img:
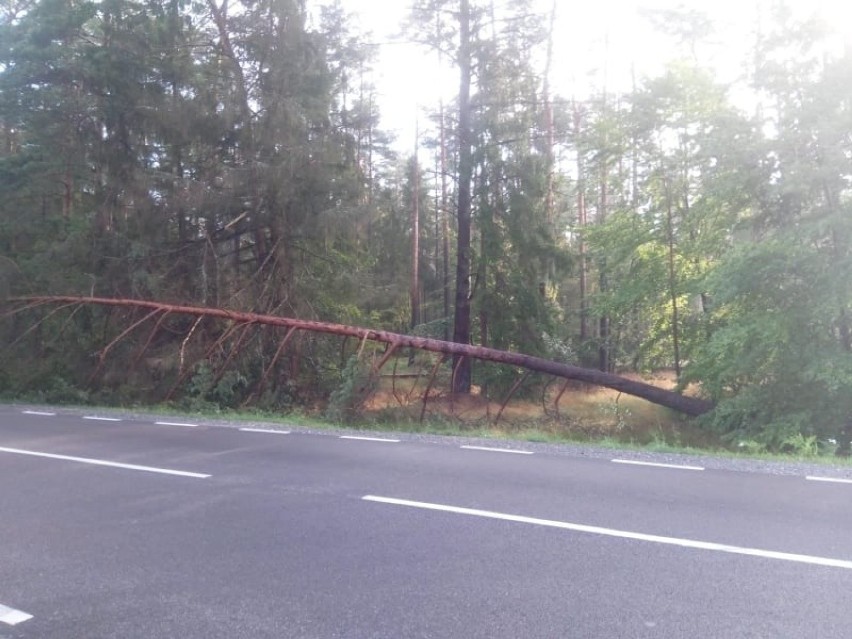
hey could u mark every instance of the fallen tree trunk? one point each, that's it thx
(692, 406)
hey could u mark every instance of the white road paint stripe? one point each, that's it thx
(12, 617)
(97, 418)
(102, 462)
(655, 464)
(370, 439)
(265, 430)
(622, 534)
(176, 424)
(38, 412)
(835, 480)
(499, 450)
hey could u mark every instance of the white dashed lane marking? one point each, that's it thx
(12, 617)
(103, 462)
(656, 464)
(265, 430)
(834, 480)
(499, 450)
(100, 418)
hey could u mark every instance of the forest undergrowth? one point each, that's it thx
(552, 413)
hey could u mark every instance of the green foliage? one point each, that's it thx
(558, 350)
(801, 445)
(204, 390)
(56, 389)
(620, 416)
(357, 381)
(434, 329)
(773, 361)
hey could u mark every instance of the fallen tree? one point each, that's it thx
(692, 406)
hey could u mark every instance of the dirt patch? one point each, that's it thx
(571, 410)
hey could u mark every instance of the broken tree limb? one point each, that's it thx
(235, 348)
(261, 385)
(441, 360)
(148, 341)
(509, 395)
(388, 353)
(105, 351)
(693, 406)
(40, 322)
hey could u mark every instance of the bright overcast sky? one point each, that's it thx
(408, 78)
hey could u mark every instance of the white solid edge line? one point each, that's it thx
(102, 462)
(835, 480)
(185, 425)
(499, 450)
(655, 464)
(370, 439)
(265, 430)
(97, 418)
(12, 617)
(38, 412)
(623, 534)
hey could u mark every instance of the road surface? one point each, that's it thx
(138, 529)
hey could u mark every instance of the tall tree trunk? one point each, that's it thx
(414, 282)
(461, 325)
(414, 285)
(370, 180)
(549, 125)
(672, 281)
(634, 149)
(220, 19)
(581, 225)
(604, 350)
(436, 246)
(445, 227)
(445, 207)
(845, 333)
(481, 292)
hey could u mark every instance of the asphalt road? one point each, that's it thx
(131, 529)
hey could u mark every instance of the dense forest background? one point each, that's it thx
(231, 154)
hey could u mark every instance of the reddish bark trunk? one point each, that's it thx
(689, 405)
(461, 324)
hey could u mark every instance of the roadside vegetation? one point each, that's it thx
(585, 415)
(230, 155)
